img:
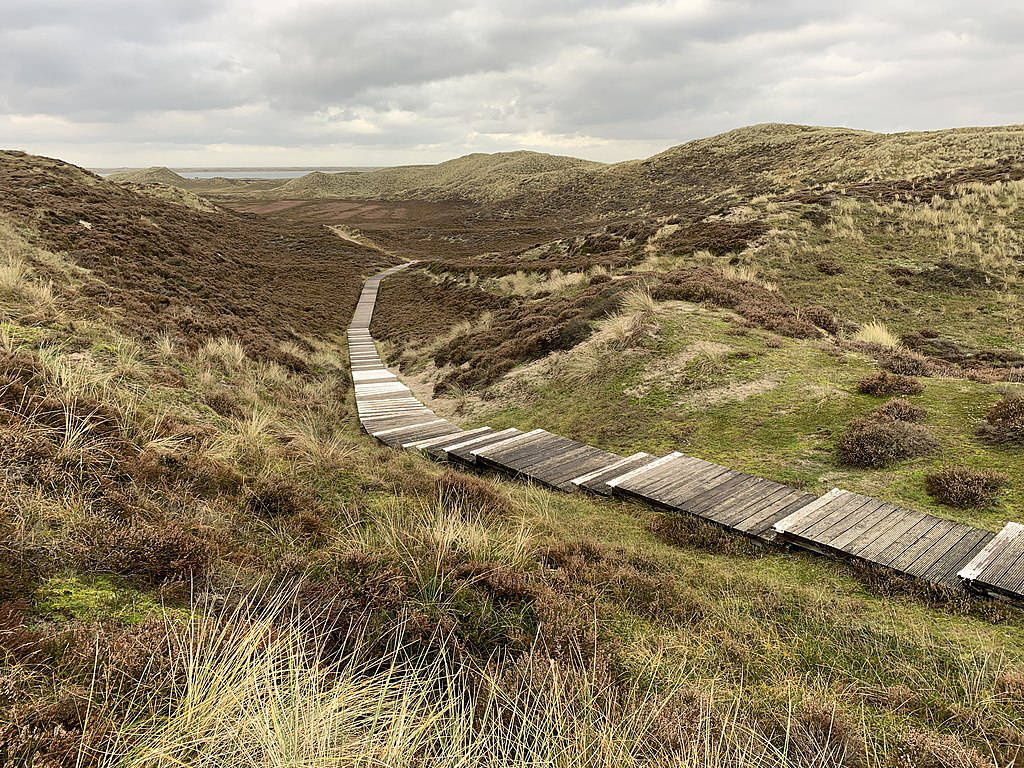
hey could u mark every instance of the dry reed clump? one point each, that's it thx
(636, 321)
(1005, 422)
(884, 384)
(874, 443)
(900, 409)
(965, 487)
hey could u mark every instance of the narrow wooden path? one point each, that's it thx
(840, 523)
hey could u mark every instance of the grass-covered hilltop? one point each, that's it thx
(203, 561)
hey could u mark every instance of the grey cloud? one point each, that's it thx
(116, 79)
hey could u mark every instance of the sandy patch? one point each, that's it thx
(668, 372)
(731, 392)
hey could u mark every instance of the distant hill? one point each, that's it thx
(478, 177)
(775, 159)
(157, 174)
(759, 159)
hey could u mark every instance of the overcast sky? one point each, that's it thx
(339, 82)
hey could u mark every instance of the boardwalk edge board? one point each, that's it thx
(838, 523)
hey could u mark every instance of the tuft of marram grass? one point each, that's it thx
(259, 689)
(877, 333)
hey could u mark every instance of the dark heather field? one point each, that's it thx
(203, 561)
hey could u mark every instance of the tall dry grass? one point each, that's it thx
(260, 688)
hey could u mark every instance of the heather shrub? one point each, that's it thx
(928, 749)
(466, 494)
(154, 552)
(965, 487)
(900, 409)
(1005, 421)
(822, 318)
(884, 383)
(906, 363)
(275, 496)
(875, 443)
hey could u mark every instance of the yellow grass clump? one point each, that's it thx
(878, 333)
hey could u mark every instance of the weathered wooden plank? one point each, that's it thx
(494, 449)
(415, 432)
(642, 471)
(452, 439)
(870, 549)
(761, 521)
(730, 489)
(596, 481)
(998, 569)
(807, 512)
(900, 544)
(723, 504)
(841, 539)
(463, 452)
(947, 568)
(709, 477)
(673, 475)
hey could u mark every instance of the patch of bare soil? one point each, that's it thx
(731, 392)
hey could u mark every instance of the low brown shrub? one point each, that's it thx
(829, 267)
(928, 749)
(154, 552)
(875, 443)
(899, 409)
(965, 487)
(906, 363)
(275, 496)
(884, 383)
(224, 403)
(1005, 421)
(469, 495)
(756, 303)
(822, 318)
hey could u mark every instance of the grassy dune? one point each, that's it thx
(203, 562)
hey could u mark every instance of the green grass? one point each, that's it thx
(786, 433)
(94, 597)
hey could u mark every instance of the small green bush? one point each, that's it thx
(877, 443)
(964, 487)
(884, 383)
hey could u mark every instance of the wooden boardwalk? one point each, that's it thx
(939, 552)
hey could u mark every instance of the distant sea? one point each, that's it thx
(242, 173)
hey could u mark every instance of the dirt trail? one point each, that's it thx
(356, 237)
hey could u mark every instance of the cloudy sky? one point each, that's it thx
(341, 82)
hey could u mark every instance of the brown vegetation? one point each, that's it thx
(175, 270)
(877, 443)
(965, 487)
(883, 384)
(756, 303)
(1005, 421)
(900, 409)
